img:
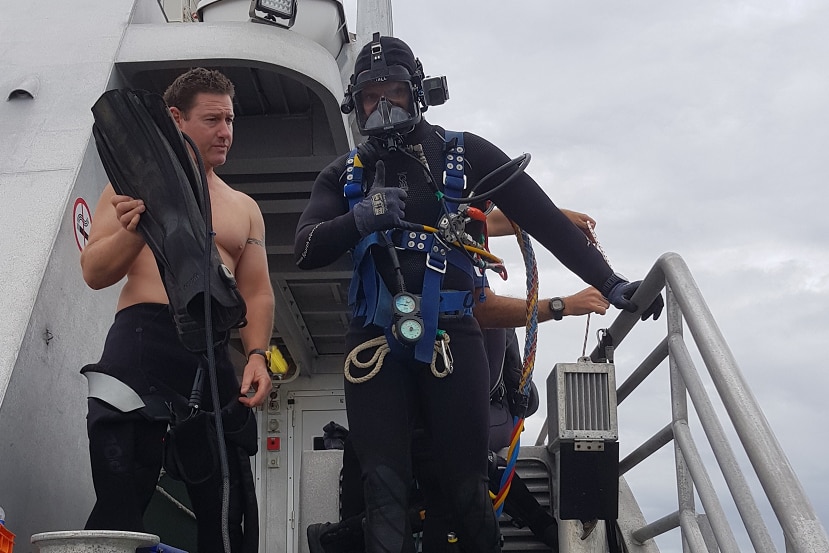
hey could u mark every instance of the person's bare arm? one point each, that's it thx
(506, 312)
(113, 242)
(583, 221)
(498, 224)
(254, 284)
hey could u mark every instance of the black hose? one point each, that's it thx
(211, 354)
(395, 262)
(522, 161)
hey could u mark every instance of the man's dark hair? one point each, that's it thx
(182, 93)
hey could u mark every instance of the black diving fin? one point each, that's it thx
(145, 156)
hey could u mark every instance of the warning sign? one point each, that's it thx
(83, 223)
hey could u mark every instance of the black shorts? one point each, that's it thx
(142, 350)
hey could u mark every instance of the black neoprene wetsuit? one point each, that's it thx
(455, 409)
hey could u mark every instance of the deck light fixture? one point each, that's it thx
(275, 12)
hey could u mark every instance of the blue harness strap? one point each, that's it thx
(353, 188)
(434, 301)
(453, 176)
(368, 295)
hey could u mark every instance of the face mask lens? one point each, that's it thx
(384, 106)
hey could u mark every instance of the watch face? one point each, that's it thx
(557, 304)
(405, 303)
(411, 329)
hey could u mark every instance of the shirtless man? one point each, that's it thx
(142, 348)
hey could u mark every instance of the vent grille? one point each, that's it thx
(587, 401)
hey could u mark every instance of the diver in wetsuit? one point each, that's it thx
(403, 162)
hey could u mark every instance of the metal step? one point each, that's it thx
(536, 475)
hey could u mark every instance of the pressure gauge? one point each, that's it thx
(410, 330)
(405, 303)
(408, 323)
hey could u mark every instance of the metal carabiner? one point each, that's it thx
(446, 353)
(499, 268)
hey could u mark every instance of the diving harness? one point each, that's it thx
(409, 319)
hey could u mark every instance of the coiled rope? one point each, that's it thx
(376, 361)
(530, 343)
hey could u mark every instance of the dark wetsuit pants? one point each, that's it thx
(455, 413)
(143, 350)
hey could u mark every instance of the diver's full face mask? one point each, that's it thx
(385, 104)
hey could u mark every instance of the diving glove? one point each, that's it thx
(619, 292)
(382, 208)
(371, 151)
(145, 156)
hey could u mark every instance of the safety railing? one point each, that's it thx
(709, 530)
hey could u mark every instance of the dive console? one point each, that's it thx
(408, 323)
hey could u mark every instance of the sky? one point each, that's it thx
(690, 127)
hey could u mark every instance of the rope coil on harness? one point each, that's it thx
(376, 361)
(530, 343)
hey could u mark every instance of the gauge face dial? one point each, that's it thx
(405, 303)
(411, 329)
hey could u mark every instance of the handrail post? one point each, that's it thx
(679, 411)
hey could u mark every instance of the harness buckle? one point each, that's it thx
(436, 256)
(436, 263)
(461, 179)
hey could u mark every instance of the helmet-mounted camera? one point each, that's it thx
(435, 91)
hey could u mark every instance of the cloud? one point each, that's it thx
(698, 128)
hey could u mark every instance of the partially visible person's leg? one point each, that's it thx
(125, 454)
(456, 411)
(380, 421)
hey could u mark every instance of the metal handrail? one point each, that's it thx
(802, 530)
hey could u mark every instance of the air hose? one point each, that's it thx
(211, 354)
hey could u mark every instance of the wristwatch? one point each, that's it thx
(557, 307)
(261, 352)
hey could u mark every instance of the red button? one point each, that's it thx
(273, 443)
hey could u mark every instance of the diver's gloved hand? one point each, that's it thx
(618, 292)
(383, 208)
(654, 309)
(371, 151)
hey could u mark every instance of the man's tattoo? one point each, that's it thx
(256, 241)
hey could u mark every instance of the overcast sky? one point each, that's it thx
(693, 127)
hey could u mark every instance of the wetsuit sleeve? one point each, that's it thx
(513, 373)
(326, 228)
(523, 201)
(513, 365)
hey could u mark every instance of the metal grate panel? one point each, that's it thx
(587, 401)
(581, 401)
